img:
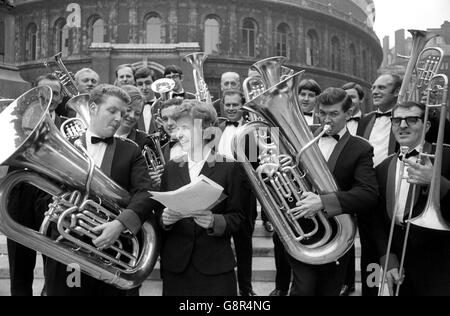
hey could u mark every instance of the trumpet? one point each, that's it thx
(154, 157)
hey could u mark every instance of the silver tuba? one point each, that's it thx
(196, 60)
(291, 163)
(83, 197)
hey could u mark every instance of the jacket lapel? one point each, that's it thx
(183, 170)
(369, 127)
(108, 158)
(391, 186)
(337, 151)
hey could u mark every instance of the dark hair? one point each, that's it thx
(171, 102)
(49, 76)
(310, 84)
(124, 66)
(197, 110)
(143, 72)
(357, 87)
(98, 94)
(332, 96)
(233, 92)
(408, 105)
(173, 69)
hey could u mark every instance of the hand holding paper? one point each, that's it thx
(206, 220)
(170, 217)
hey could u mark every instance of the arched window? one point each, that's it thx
(335, 54)
(249, 31)
(365, 65)
(61, 37)
(312, 48)
(212, 35)
(98, 31)
(153, 29)
(282, 40)
(353, 60)
(31, 42)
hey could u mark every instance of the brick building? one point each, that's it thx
(331, 39)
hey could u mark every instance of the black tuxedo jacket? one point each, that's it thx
(421, 241)
(186, 243)
(153, 126)
(124, 163)
(365, 128)
(352, 166)
(140, 138)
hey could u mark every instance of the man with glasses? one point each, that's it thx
(427, 261)
(175, 73)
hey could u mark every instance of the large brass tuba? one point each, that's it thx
(196, 60)
(291, 163)
(83, 197)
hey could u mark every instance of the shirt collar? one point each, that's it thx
(192, 162)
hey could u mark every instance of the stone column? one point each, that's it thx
(173, 22)
(234, 31)
(193, 22)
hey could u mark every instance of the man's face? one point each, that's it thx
(125, 76)
(307, 100)
(408, 135)
(178, 80)
(334, 116)
(145, 84)
(169, 124)
(56, 89)
(87, 81)
(189, 136)
(232, 107)
(132, 115)
(106, 116)
(229, 81)
(382, 92)
(352, 93)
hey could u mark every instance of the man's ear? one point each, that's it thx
(427, 127)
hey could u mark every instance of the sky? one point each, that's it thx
(392, 15)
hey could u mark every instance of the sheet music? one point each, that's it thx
(192, 199)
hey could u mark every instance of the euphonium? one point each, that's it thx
(291, 163)
(72, 127)
(83, 197)
(196, 60)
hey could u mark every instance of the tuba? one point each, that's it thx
(196, 60)
(291, 163)
(83, 197)
(72, 128)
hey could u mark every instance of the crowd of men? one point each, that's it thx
(362, 152)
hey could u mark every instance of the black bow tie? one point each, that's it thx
(178, 95)
(172, 143)
(229, 123)
(308, 114)
(380, 114)
(336, 137)
(356, 119)
(413, 153)
(107, 140)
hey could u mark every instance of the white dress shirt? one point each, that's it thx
(352, 125)
(309, 119)
(176, 151)
(96, 151)
(226, 140)
(147, 116)
(195, 167)
(379, 139)
(327, 144)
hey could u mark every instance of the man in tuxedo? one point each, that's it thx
(144, 80)
(27, 206)
(376, 128)
(120, 159)
(172, 148)
(124, 75)
(233, 100)
(175, 73)
(350, 160)
(308, 91)
(228, 81)
(356, 92)
(427, 261)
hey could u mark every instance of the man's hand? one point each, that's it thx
(417, 173)
(309, 205)
(170, 217)
(393, 278)
(205, 220)
(155, 177)
(110, 232)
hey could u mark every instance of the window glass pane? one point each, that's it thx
(212, 36)
(98, 31)
(153, 30)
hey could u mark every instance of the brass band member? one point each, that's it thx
(427, 259)
(356, 92)
(121, 160)
(86, 79)
(144, 80)
(350, 160)
(196, 256)
(175, 73)
(228, 81)
(308, 91)
(124, 75)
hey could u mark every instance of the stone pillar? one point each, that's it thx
(234, 31)
(173, 22)
(268, 43)
(193, 23)
(112, 22)
(134, 23)
(43, 36)
(299, 55)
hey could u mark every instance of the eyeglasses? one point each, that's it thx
(174, 76)
(410, 120)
